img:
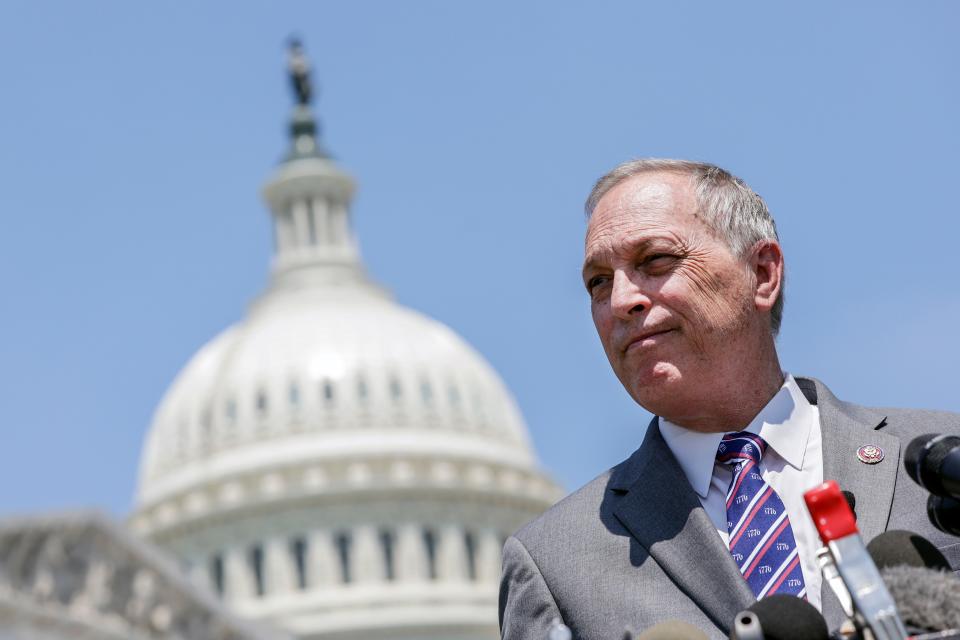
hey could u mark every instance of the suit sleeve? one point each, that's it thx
(527, 607)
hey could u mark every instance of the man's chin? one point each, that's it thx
(651, 386)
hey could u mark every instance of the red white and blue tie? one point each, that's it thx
(761, 540)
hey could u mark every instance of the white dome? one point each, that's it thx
(335, 463)
(328, 373)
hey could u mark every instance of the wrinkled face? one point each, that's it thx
(671, 303)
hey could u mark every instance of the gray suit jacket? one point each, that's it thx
(634, 547)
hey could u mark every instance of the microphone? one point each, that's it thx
(873, 605)
(672, 630)
(934, 463)
(829, 570)
(780, 617)
(919, 579)
(944, 514)
(896, 548)
(927, 600)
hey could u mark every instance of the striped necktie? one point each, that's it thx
(761, 540)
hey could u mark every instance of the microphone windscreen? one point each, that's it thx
(904, 548)
(784, 617)
(925, 599)
(672, 630)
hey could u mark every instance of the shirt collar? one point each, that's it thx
(784, 423)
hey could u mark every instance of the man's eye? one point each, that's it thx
(658, 260)
(595, 282)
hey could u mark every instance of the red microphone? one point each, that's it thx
(873, 605)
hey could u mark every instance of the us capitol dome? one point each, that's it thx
(335, 464)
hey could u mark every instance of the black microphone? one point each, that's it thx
(944, 514)
(780, 617)
(903, 548)
(934, 463)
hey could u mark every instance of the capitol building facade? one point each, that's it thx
(334, 465)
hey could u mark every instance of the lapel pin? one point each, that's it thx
(870, 454)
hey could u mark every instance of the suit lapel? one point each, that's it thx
(663, 513)
(844, 429)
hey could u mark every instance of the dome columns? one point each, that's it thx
(488, 556)
(304, 225)
(411, 554)
(280, 572)
(452, 560)
(367, 560)
(238, 580)
(318, 224)
(309, 199)
(323, 568)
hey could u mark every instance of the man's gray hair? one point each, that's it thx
(725, 203)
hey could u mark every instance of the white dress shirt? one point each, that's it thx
(792, 464)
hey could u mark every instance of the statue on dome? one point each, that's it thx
(299, 67)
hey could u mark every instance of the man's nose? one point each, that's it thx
(627, 298)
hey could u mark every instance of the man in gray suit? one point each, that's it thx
(685, 276)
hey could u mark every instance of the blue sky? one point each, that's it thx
(136, 136)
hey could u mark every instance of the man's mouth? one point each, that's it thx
(647, 337)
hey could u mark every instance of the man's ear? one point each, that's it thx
(766, 264)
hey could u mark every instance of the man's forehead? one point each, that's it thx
(645, 192)
(638, 208)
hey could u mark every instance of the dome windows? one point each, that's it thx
(453, 395)
(262, 404)
(206, 428)
(394, 395)
(293, 394)
(230, 412)
(385, 396)
(364, 417)
(327, 392)
(295, 404)
(404, 390)
(395, 386)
